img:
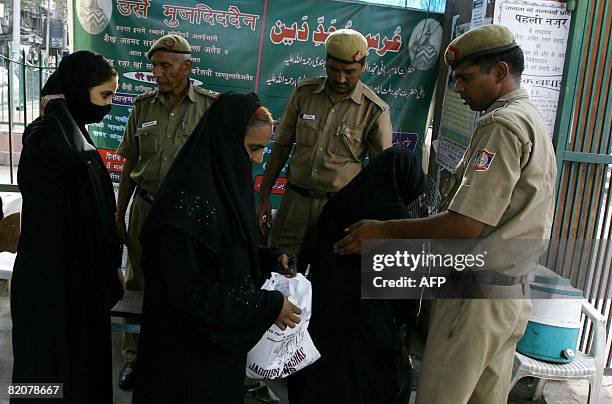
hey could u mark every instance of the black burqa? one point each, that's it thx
(203, 307)
(358, 339)
(65, 277)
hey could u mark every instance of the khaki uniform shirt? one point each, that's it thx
(331, 140)
(490, 186)
(154, 135)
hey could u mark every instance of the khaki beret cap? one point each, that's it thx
(170, 43)
(480, 41)
(346, 45)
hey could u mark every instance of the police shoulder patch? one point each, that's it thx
(483, 160)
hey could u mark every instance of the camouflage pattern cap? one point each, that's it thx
(480, 41)
(346, 45)
(170, 43)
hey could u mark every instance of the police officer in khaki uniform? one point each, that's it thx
(503, 193)
(159, 125)
(334, 121)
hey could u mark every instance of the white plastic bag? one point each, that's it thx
(281, 353)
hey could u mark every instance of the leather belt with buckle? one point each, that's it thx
(497, 279)
(309, 193)
(145, 196)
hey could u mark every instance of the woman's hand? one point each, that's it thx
(288, 315)
(284, 262)
(264, 215)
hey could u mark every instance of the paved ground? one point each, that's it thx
(554, 392)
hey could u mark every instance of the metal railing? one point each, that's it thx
(21, 82)
(583, 216)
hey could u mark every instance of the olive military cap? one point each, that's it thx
(170, 43)
(480, 41)
(346, 45)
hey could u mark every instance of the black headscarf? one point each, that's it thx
(365, 339)
(65, 278)
(382, 191)
(208, 191)
(73, 79)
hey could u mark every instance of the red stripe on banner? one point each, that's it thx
(279, 187)
(261, 39)
(112, 161)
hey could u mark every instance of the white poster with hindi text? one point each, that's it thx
(541, 28)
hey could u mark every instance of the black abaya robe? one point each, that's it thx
(65, 277)
(203, 308)
(358, 339)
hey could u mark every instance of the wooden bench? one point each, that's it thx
(129, 309)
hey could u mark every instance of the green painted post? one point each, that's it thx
(563, 125)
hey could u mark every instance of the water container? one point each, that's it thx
(554, 324)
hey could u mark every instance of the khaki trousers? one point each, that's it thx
(294, 225)
(134, 277)
(470, 350)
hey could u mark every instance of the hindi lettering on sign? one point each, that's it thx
(140, 8)
(108, 38)
(158, 32)
(221, 18)
(203, 13)
(250, 20)
(557, 22)
(526, 19)
(542, 32)
(170, 11)
(202, 72)
(190, 14)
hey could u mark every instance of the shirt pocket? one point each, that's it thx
(348, 142)
(306, 131)
(147, 140)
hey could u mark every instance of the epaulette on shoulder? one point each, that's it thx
(315, 81)
(371, 95)
(208, 93)
(145, 96)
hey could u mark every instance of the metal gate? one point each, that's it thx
(21, 81)
(584, 158)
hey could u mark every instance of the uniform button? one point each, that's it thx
(165, 158)
(320, 149)
(168, 136)
(315, 170)
(171, 113)
(332, 110)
